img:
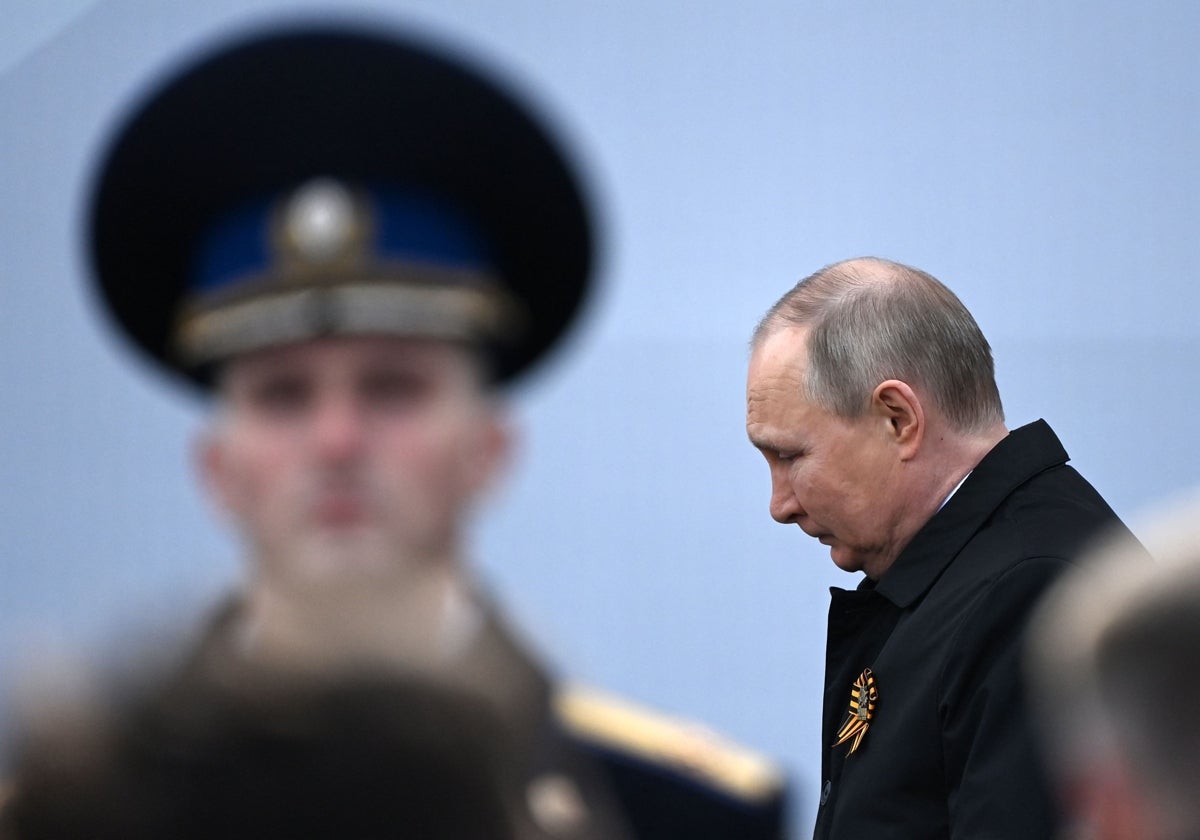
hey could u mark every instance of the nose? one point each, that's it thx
(338, 429)
(785, 507)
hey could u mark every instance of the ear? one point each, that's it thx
(212, 470)
(494, 451)
(894, 402)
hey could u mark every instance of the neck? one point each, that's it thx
(342, 623)
(949, 458)
(962, 453)
(945, 459)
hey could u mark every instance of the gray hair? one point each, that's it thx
(1114, 664)
(870, 320)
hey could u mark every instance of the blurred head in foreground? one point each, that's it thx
(1114, 660)
(278, 756)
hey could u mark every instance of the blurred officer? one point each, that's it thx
(277, 753)
(872, 398)
(353, 243)
(1114, 659)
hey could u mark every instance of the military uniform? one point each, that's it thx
(596, 766)
(326, 180)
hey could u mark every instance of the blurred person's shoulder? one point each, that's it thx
(675, 777)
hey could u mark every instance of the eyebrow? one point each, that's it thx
(761, 442)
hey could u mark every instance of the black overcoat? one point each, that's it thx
(949, 750)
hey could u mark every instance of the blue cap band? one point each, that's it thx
(328, 259)
(392, 227)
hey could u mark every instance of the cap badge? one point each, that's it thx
(323, 222)
(862, 709)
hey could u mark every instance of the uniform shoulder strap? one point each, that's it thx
(690, 749)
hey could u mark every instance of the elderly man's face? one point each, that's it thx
(837, 478)
(352, 456)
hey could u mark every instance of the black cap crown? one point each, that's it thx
(404, 132)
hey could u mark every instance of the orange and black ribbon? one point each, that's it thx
(862, 709)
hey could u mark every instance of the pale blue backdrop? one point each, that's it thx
(1041, 158)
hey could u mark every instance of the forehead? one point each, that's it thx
(428, 356)
(775, 381)
(779, 361)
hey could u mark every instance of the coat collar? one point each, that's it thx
(1021, 455)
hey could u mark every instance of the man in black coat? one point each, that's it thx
(872, 397)
(351, 242)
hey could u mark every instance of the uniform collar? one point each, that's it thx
(1021, 455)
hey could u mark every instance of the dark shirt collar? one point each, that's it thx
(1021, 455)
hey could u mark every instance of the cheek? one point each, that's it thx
(423, 454)
(257, 473)
(837, 497)
(815, 482)
(861, 475)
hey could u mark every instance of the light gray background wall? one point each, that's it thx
(1038, 157)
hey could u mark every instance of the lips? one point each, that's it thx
(341, 509)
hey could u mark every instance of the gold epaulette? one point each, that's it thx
(682, 746)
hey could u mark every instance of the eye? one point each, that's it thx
(394, 386)
(280, 394)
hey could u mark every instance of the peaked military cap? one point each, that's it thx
(329, 179)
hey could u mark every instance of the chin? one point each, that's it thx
(345, 558)
(846, 561)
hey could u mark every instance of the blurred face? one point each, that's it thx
(836, 478)
(352, 457)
